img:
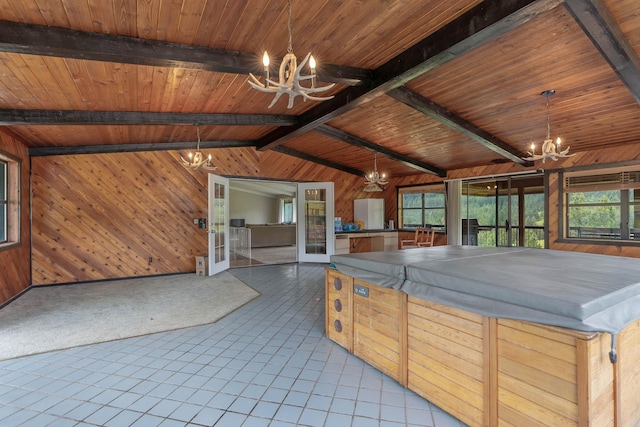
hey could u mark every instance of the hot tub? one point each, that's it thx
(497, 335)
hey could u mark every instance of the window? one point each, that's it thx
(9, 200)
(286, 210)
(603, 205)
(4, 202)
(422, 206)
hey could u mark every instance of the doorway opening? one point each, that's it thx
(262, 222)
(505, 211)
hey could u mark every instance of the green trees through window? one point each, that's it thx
(423, 206)
(602, 203)
(611, 214)
(509, 211)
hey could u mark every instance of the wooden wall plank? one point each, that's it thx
(149, 203)
(15, 268)
(102, 216)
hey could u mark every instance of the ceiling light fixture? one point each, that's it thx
(197, 160)
(290, 77)
(549, 149)
(374, 180)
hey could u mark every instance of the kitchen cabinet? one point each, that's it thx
(366, 241)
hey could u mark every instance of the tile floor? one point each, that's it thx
(266, 364)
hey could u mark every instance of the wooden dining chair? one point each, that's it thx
(423, 237)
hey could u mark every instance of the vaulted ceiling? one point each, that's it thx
(430, 86)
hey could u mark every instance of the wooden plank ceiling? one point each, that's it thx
(428, 86)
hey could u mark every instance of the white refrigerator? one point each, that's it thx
(370, 212)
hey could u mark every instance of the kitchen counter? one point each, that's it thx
(366, 241)
(381, 230)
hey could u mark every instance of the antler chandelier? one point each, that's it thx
(197, 160)
(374, 180)
(549, 149)
(290, 77)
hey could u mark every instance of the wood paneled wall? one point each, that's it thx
(15, 267)
(103, 216)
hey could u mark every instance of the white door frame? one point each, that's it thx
(218, 220)
(302, 222)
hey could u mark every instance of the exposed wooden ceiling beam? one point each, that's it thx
(68, 117)
(130, 148)
(457, 123)
(31, 39)
(359, 142)
(318, 160)
(596, 21)
(486, 21)
(168, 146)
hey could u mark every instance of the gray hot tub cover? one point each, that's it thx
(569, 289)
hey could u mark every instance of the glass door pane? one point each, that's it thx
(479, 213)
(218, 227)
(315, 229)
(508, 212)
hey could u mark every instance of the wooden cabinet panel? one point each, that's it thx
(487, 371)
(379, 335)
(359, 244)
(338, 312)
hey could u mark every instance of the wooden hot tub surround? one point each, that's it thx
(487, 371)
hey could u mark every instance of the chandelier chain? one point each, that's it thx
(290, 26)
(548, 117)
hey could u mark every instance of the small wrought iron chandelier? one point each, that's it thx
(375, 181)
(550, 150)
(290, 76)
(197, 160)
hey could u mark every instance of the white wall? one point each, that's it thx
(255, 209)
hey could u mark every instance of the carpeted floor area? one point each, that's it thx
(58, 317)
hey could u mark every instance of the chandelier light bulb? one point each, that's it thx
(265, 62)
(312, 66)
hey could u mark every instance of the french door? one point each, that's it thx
(505, 211)
(315, 222)
(218, 224)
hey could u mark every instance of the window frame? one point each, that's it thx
(620, 179)
(422, 189)
(12, 200)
